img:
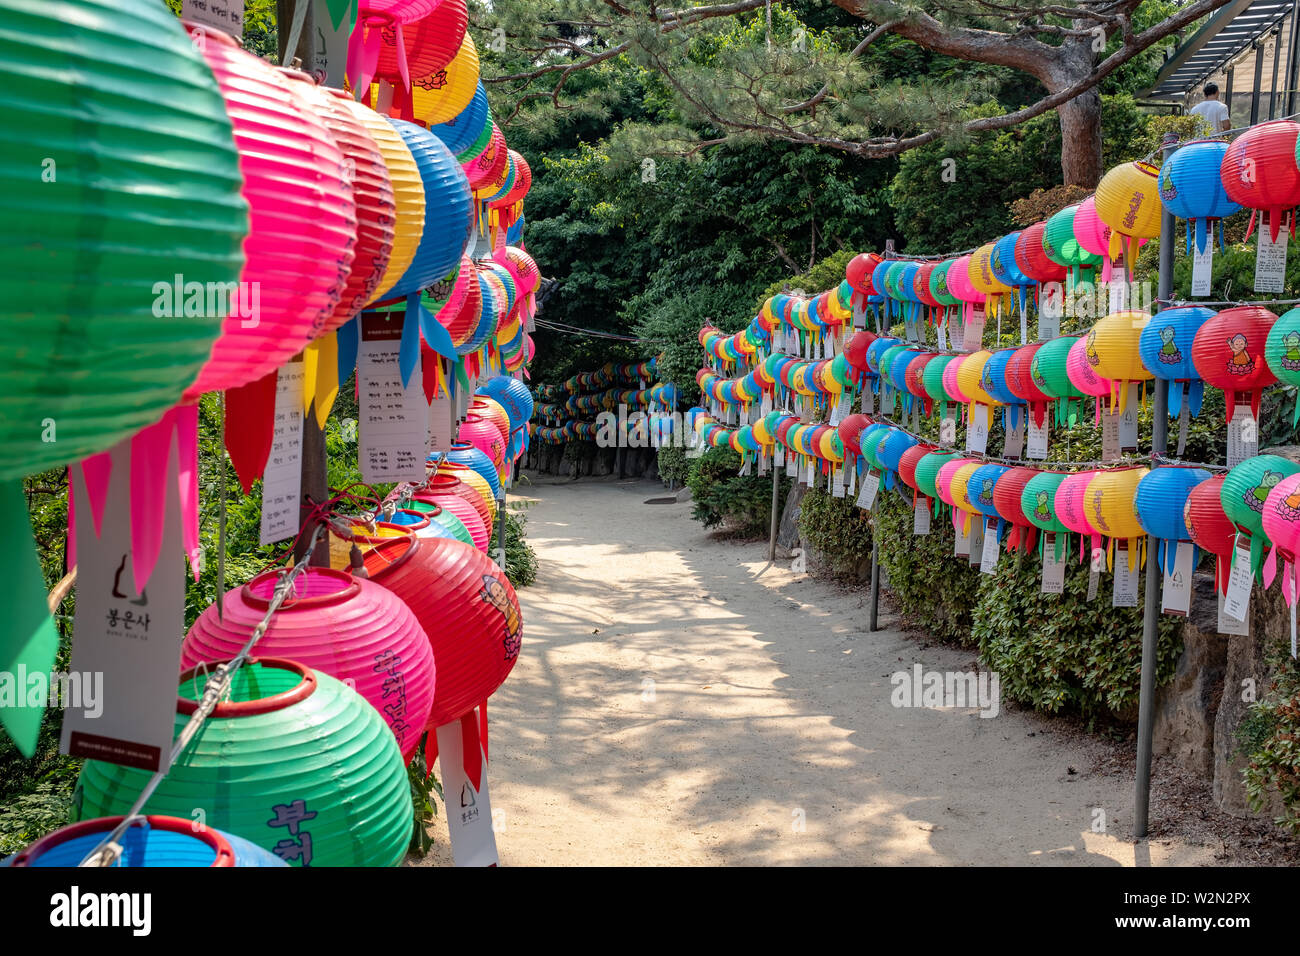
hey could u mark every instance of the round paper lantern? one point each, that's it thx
(1228, 351)
(461, 315)
(980, 489)
(444, 94)
(1159, 502)
(1191, 188)
(463, 509)
(970, 378)
(1032, 258)
(871, 440)
(1128, 201)
(1259, 172)
(959, 491)
(107, 191)
(858, 272)
(994, 381)
(951, 383)
(419, 524)
(1063, 248)
(484, 436)
(1165, 346)
(1049, 370)
(1244, 491)
(1021, 384)
(336, 624)
(1282, 351)
(932, 381)
(1038, 502)
(468, 608)
(890, 452)
(428, 44)
(939, 284)
(371, 192)
(850, 432)
(984, 280)
(448, 210)
(1071, 504)
(1005, 267)
(302, 220)
(1110, 508)
(926, 473)
(944, 478)
(445, 519)
(408, 195)
(319, 780)
(150, 841)
(909, 460)
(461, 131)
(1080, 366)
(482, 498)
(1208, 526)
(1092, 234)
(1111, 348)
(1007, 497)
(1281, 525)
(490, 409)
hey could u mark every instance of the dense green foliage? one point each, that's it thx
(838, 531)
(720, 496)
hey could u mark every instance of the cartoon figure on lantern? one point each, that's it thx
(1091, 349)
(1240, 363)
(1169, 353)
(986, 493)
(1289, 507)
(1255, 497)
(1036, 374)
(1291, 358)
(494, 592)
(1168, 191)
(1041, 510)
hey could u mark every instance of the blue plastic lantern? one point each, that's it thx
(1165, 347)
(1159, 501)
(1191, 188)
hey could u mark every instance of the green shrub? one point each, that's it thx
(521, 560)
(673, 464)
(1270, 738)
(720, 495)
(839, 531)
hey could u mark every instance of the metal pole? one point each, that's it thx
(1259, 78)
(872, 622)
(776, 498)
(1277, 60)
(501, 530)
(1291, 63)
(1151, 610)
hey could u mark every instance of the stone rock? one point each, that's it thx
(1186, 709)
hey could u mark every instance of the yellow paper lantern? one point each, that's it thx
(1128, 200)
(1109, 505)
(826, 447)
(507, 333)
(963, 509)
(445, 94)
(970, 377)
(1112, 351)
(980, 270)
(408, 194)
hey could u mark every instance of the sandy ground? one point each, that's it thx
(679, 701)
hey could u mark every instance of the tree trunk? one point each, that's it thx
(1081, 139)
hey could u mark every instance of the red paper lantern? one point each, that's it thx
(491, 410)
(523, 182)
(907, 464)
(445, 483)
(343, 626)
(430, 43)
(1020, 381)
(921, 285)
(850, 430)
(462, 507)
(1228, 352)
(855, 350)
(1007, 494)
(912, 379)
(1031, 257)
(467, 607)
(858, 272)
(484, 436)
(1259, 171)
(1209, 526)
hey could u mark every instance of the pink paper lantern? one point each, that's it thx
(483, 435)
(1070, 510)
(1083, 374)
(950, 386)
(1281, 523)
(350, 628)
(302, 220)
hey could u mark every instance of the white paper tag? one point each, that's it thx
(1202, 268)
(1053, 570)
(976, 539)
(837, 482)
(126, 648)
(1243, 436)
(1228, 624)
(977, 428)
(942, 330)
(1036, 440)
(948, 430)
(1128, 420)
(810, 474)
(469, 810)
(394, 419)
(1109, 435)
(973, 335)
(1014, 445)
(226, 15)
(868, 400)
(921, 517)
(962, 548)
(1124, 593)
(1236, 603)
(765, 407)
(1097, 562)
(1051, 304)
(989, 553)
(792, 465)
(1117, 291)
(1176, 593)
(1270, 260)
(282, 479)
(870, 488)
(852, 470)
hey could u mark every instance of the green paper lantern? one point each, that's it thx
(1038, 502)
(939, 284)
(1282, 352)
(927, 471)
(870, 441)
(443, 517)
(1242, 496)
(932, 382)
(1063, 248)
(118, 174)
(1047, 369)
(295, 762)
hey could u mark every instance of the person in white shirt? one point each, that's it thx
(1212, 111)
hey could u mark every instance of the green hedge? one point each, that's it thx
(721, 496)
(839, 532)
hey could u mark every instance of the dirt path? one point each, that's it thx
(769, 707)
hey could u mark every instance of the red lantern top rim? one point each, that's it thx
(225, 853)
(262, 705)
(348, 588)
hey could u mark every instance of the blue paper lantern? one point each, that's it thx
(993, 379)
(448, 211)
(512, 395)
(1191, 188)
(1159, 501)
(890, 453)
(460, 132)
(979, 491)
(1165, 347)
(152, 841)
